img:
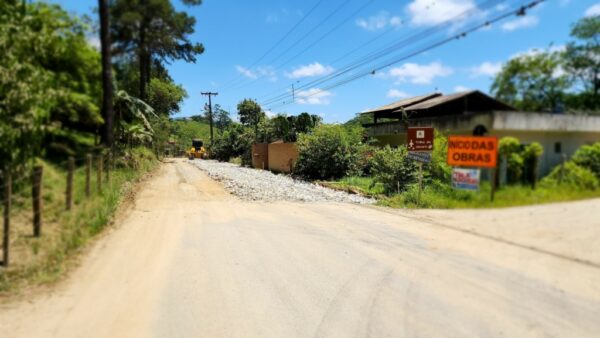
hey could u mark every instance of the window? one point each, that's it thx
(558, 148)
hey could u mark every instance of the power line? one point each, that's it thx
(298, 41)
(387, 50)
(288, 33)
(461, 35)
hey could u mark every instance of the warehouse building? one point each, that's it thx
(475, 113)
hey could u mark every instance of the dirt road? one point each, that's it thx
(189, 260)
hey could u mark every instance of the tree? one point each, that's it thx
(250, 114)
(165, 96)
(533, 82)
(222, 119)
(107, 89)
(152, 31)
(582, 61)
(282, 129)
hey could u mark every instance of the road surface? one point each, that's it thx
(189, 260)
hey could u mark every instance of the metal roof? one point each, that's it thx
(441, 99)
(403, 103)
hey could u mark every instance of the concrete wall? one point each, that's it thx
(260, 155)
(569, 143)
(282, 157)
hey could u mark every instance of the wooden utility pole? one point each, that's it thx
(210, 115)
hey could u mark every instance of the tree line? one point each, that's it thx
(559, 79)
(60, 95)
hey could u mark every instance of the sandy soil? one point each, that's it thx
(189, 260)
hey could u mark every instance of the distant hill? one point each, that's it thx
(184, 130)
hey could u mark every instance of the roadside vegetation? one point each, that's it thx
(60, 100)
(41, 260)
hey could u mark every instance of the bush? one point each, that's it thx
(589, 157)
(236, 141)
(330, 152)
(393, 169)
(573, 175)
(439, 169)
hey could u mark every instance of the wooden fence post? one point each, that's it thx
(6, 235)
(108, 168)
(99, 172)
(36, 192)
(69, 192)
(88, 173)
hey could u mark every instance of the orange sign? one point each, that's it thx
(473, 151)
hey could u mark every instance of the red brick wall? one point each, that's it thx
(260, 155)
(282, 157)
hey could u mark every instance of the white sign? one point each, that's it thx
(465, 179)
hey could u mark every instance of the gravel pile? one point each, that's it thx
(262, 185)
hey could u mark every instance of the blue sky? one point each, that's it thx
(236, 34)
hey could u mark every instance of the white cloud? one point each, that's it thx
(266, 72)
(313, 69)
(380, 21)
(419, 74)
(459, 89)
(534, 51)
(313, 96)
(593, 11)
(486, 69)
(433, 12)
(395, 93)
(522, 22)
(246, 72)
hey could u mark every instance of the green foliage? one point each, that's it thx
(439, 169)
(573, 175)
(183, 131)
(391, 167)
(532, 82)
(329, 152)
(582, 61)
(588, 156)
(221, 118)
(49, 80)
(250, 113)
(165, 96)
(511, 150)
(235, 141)
(153, 33)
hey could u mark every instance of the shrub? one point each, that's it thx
(393, 169)
(329, 152)
(573, 175)
(439, 169)
(510, 148)
(233, 142)
(589, 157)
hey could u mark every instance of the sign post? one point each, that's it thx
(475, 151)
(419, 143)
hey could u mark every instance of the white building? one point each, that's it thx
(474, 113)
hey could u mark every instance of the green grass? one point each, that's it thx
(42, 260)
(444, 197)
(364, 185)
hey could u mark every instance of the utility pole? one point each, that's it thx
(210, 115)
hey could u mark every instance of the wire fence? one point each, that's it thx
(14, 191)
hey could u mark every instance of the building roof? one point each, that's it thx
(440, 100)
(403, 103)
(438, 104)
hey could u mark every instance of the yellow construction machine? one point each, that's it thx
(197, 150)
